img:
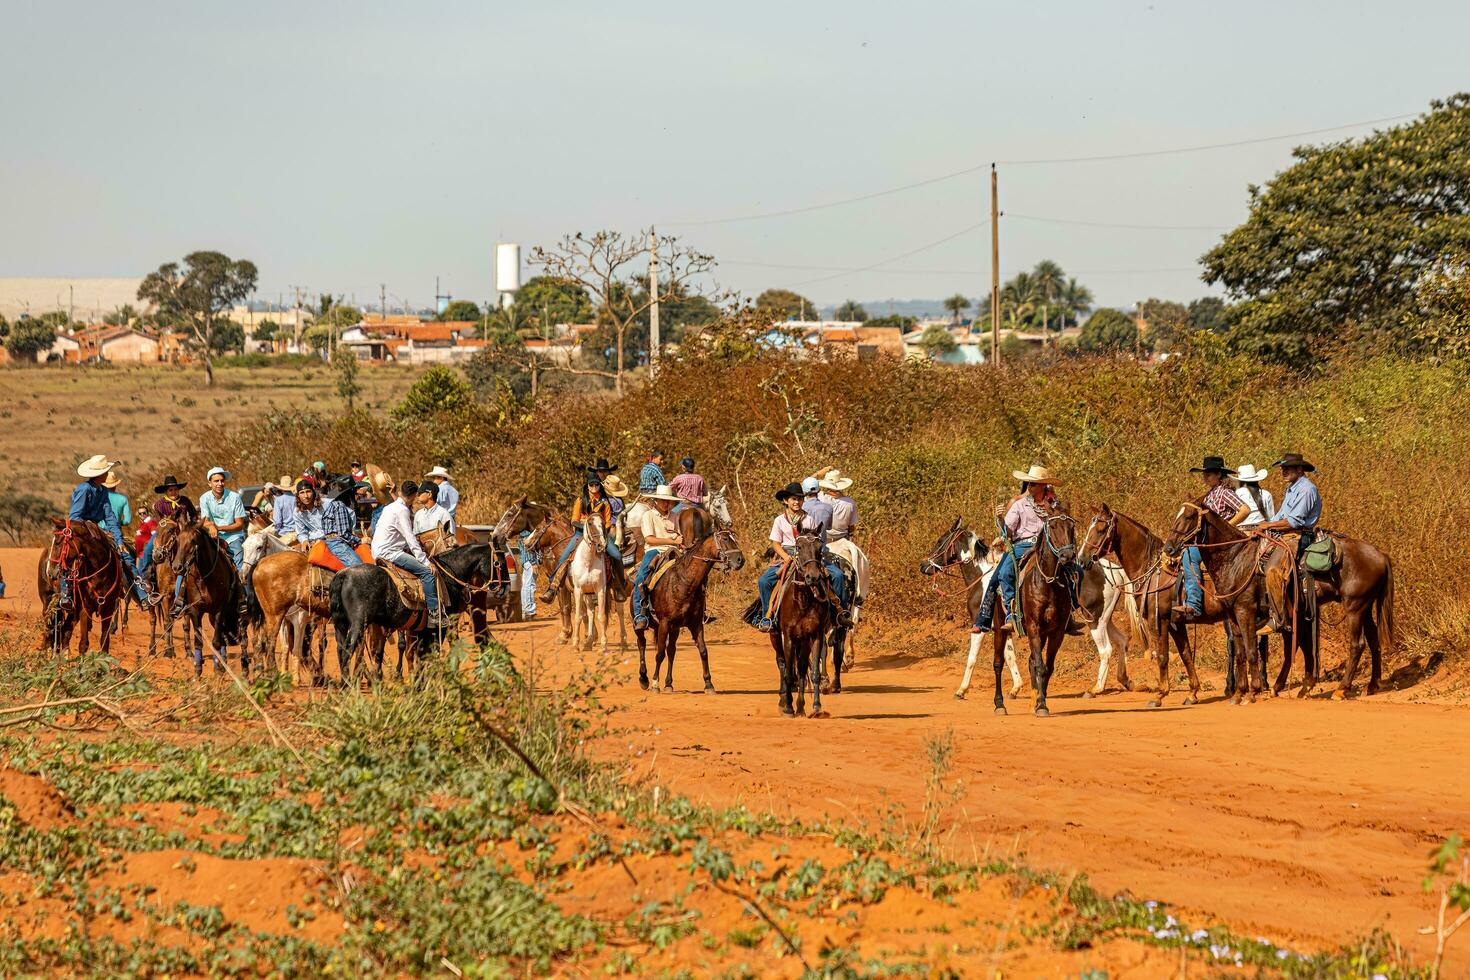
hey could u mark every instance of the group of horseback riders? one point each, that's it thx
(819, 505)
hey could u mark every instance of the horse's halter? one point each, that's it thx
(1087, 555)
(946, 550)
(1057, 553)
(1192, 538)
(728, 548)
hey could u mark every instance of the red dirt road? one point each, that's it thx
(1308, 823)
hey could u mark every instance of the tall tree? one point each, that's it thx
(1108, 330)
(1209, 313)
(1077, 301)
(460, 309)
(783, 304)
(344, 364)
(1340, 238)
(604, 262)
(28, 337)
(956, 305)
(554, 300)
(850, 310)
(207, 284)
(936, 341)
(1166, 324)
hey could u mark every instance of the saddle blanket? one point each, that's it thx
(410, 589)
(848, 550)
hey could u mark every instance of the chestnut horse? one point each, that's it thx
(293, 597)
(96, 583)
(805, 615)
(677, 602)
(211, 587)
(1046, 604)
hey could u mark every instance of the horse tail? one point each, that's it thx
(1135, 618)
(1385, 609)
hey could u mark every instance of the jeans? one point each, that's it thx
(1003, 580)
(1194, 589)
(425, 575)
(343, 552)
(767, 584)
(236, 544)
(648, 556)
(528, 589)
(612, 551)
(147, 563)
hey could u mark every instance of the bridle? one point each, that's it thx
(1060, 560)
(726, 548)
(942, 569)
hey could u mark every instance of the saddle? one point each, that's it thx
(321, 556)
(410, 589)
(661, 565)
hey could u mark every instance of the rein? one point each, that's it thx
(946, 547)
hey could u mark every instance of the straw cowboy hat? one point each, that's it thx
(788, 491)
(1249, 474)
(383, 487)
(170, 482)
(1037, 474)
(1295, 459)
(1213, 464)
(437, 471)
(662, 492)
(835, 481)
(112, 480)
(284, 484)
(96, 466)
(614, 487)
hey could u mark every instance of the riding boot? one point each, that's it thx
(986, 616)
(553, 585)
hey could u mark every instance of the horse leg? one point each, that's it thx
(803, 672)
(1001, 645)
(1037, 661)
(106, 619)
(601, 610)
(839, 644)
(671, 641)
(783, 669)
(1053, 643)
(84, 628)
(1243, 623)
(642, 636)
(1161, 654)
(1103, 640)
(975, 640)
(696, 633)
(1354, 623)
(1375, 652)
(1288, 647)
(1119, 640)
(1013, 666)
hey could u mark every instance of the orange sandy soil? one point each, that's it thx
(1305, 822)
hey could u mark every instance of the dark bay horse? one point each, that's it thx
(805, 616)
(211, 587)
(96, 583)
(548, 534)
(676, 603)
(1046, 604)
(364, 596)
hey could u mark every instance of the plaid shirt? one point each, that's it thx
(1223, 501)
(319, 523)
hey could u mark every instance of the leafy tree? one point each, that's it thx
(783, 304)
(122, 316)
(1076, 301)
(226, 336)
(28, 337)
(956, 305)
(850, 310)
(936, 340)
(555, 300)
(207, 284)
(1209, 313)
(344, 363)
(317, 337)
(1108, 330)
(1166, 324)
(340, 316)
(1441, 324)
(460, 309)
(903, 323)
(4, 328)
(1340, 239)
(267, 330)
(21, 512)
(439, 389)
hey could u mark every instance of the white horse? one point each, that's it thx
(588, 577)
(977, 567)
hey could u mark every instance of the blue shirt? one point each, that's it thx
(283, 513)
(527, 557)
(226, 510)
(373, 521)
(650, 477)
(332, 518)
(818, 514)
(89, 503)
(448, 497)
(120, 508)
(1301, 508)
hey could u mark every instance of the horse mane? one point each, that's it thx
(1148, 535)
(459, 561)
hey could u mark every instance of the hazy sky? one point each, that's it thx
(340, 145)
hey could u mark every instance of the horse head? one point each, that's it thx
(594, 534)
(521, 516)
(1059, 534)
(1101, 537)
(1188, 528)
(955, 545)
(718, 506)
(809, 558)
(186, 540)
(732, 559)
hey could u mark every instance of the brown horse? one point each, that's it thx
(677, 602)
(162, 615)
(805, 615)
(294, 596)
(211, 587)
(1046, 604)
(1238, 595)
(549, 533)
(95, 584)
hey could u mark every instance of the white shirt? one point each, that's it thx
(656, 525)
(783, 532)
(394, 535)
(430, 518)
(844, 514)
(1255, 516)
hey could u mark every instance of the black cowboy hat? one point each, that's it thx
(169, 481)
(602, 464)
(789, 491)
(1215, 464)
(344, 495)
(1295, 459)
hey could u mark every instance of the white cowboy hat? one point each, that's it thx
(217, 469)
(614, 487)
(835, 481)
(1036, 474)
(96, 466)
(661, 492)
(1249, 474)
(437, 471)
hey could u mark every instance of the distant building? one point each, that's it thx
(840, 337)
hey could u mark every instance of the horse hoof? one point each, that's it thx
(1372, 689)
(1042, 713)
(1087, 695)
(1303, 692)
(709, 689)
(1156, 703)
(1126, 685)
(1339, 695)
(1189, 701)
(820, 714)
(643, 683)
(1012, 695)
(1001, 710)
(655, 688)
(959, 695)
(788, 712)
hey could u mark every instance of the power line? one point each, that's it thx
(787, 212)
(1111, 224)
(866, 268)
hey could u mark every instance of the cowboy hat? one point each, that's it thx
(662, 492)
(382, 485)
(835, 481)
(168, 482)
(1036, 474)
(1249, 474)
(95, 466)
(602, 464)
(217, 470)
(112, 480)
(789, 491)
(614, 487)
(437, 471)
(1214, 464)
(1295, 459)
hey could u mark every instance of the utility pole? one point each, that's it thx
(653, 337)
(383, 301)
(994, 269)
(298, 290)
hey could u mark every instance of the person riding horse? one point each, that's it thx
(89, 502)
(659, 535)
(833, 487)
(1300, 510)
(395, 542)
(1024, 519)
(785, 529)
(592, 501)
(1223, 501)
(330, 521)
(651, 477)
(171, 506)
(222, 507)
(688, 486)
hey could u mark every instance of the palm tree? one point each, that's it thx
(1076, 299)
(955, 304)
(1018, 298)
(850, 310)
(1050, 282)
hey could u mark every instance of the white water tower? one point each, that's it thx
(507, 272)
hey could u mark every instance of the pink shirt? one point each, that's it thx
(688, 486)
(1022, 520)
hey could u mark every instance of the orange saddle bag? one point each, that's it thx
(321, 556)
